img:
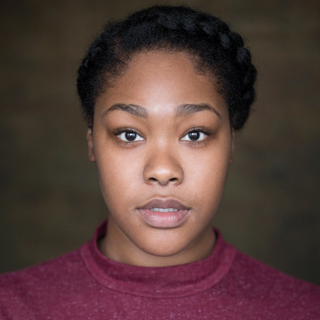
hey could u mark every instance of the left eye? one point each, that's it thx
(130, 136)
(194, 136)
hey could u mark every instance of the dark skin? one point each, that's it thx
(160, 133)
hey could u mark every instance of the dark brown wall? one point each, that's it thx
(50, 200)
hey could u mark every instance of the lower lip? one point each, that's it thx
(157, 219)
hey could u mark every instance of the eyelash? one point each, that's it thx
(200, 130)
(120, 131)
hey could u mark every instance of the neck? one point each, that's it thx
(118, 247)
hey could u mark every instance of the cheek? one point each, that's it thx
(207, 174)
(119, 175)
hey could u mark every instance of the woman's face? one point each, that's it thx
(162, 144)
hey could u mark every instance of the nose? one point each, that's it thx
(163, 167)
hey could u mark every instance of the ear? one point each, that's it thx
(233, 137)
(90, 145)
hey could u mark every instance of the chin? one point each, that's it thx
(164, 246)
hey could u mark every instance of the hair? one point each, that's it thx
(207, 40)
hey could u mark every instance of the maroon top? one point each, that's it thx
(84, 284)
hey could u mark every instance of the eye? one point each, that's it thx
(129, 136)
(194, 136)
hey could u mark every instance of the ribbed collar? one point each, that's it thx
(158, 282)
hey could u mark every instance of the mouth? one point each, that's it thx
(164, 213)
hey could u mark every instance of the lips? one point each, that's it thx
(164, 213)
(164, 204)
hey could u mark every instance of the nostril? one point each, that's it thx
(163, 182)
(163, 172)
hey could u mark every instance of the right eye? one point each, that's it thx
(129, 136)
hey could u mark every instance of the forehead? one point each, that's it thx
(159, 80)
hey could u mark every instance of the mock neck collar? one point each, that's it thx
(158, 282)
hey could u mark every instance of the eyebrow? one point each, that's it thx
(181, 110)
(129, 108)
(187, 109)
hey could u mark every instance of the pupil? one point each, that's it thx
(194, 135)
(131, 136)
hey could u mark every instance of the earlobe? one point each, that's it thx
(90, 145)
(232, 145)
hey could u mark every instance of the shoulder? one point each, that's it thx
(49, 271)
(272, 289)
(257, 272)
(42, 285)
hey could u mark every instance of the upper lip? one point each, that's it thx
(164, 204)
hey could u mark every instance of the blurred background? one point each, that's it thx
(50, 201)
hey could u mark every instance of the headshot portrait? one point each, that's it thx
(160, 160)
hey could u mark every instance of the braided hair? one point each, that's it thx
(205, 38)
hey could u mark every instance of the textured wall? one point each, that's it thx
(50, 200)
